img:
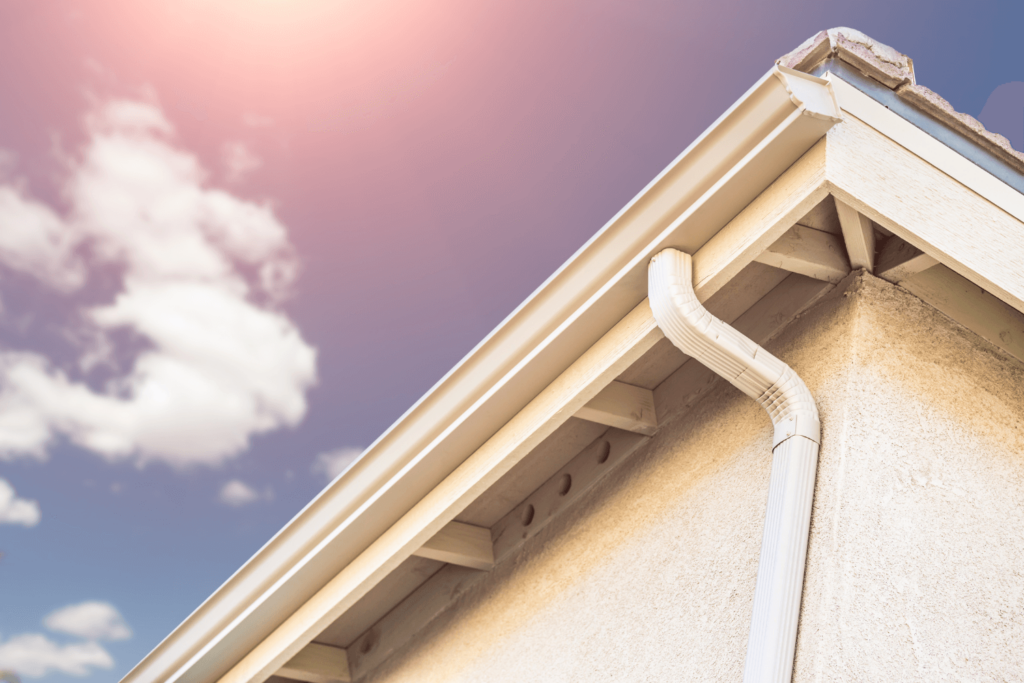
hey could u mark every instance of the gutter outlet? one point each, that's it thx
(773, 384)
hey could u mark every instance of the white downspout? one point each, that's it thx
(783, 394)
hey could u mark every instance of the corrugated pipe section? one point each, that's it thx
(783, 394)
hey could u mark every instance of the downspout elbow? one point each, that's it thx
(726, 351)
(760, 375)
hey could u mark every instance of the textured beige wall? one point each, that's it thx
(916, 560)
(917, 544)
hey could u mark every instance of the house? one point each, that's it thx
(587, 496)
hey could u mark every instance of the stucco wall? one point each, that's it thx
(917, 544)
(916, 559)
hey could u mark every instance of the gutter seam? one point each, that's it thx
(780, 391)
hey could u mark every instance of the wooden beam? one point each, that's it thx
(816, 254)
(971, 306)
(622, 406)
(619, 348)
(595, 462)
(899, 260)
(318, 663)
(859, 235)
(761, 222)
(462, 544)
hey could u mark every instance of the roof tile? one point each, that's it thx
(866, 59)
(932, 103)
(895, 70)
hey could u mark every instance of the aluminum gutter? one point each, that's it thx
(773, 384)
(782, 116)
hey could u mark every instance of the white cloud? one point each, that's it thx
(34, 655)
(202, 274)
(237, 493)
(14, 510)
(239, 161)
(34, 240)
(333, 463)
(91, 620)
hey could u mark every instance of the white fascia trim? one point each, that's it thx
(773, 384)
(782, 116)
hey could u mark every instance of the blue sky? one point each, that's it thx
(238, 238)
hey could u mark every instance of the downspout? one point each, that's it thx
(763, 377)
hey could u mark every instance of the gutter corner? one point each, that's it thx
(814, 96)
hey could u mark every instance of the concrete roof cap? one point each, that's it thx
(877, 60)
(932, 103)
(895, 70)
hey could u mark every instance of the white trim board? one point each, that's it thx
(927, 208)
(923, 145)
(975, 225)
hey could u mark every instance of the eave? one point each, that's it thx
(727, 199)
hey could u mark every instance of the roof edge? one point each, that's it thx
(561, 319)
(887, 67)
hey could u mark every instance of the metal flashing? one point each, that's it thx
(926, 122)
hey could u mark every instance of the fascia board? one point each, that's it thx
(888, 99)
(987, 254)
(782, 116)
(1001, 190)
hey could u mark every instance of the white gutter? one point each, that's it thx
(773, 384)
(771, 126)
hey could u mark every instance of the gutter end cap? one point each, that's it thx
(814, 96)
